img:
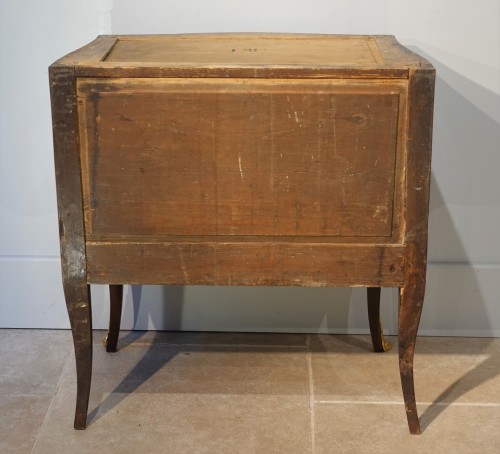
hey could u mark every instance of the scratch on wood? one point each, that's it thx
(240, 166)
(379, 210)
(271, 120)
(342, 190)
(215, 267)
(183, 265)
(124, 117)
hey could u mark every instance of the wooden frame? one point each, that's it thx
(398, 260)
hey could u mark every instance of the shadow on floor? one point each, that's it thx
(164, 347)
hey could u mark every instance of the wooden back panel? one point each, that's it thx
(164, 157)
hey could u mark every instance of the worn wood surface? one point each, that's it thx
(71, 229)
(240, 263)
(281, 158)
(421, 92)
(251, 55)
(243, 159)
(248, 49)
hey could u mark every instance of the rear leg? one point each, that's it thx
(378, 341)
(115, 315)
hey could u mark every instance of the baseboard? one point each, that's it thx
(461, 300)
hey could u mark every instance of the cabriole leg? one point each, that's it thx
(378, 341)
(80, 316)
(115, 315)
(410, 308)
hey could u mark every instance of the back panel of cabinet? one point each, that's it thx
(313, 158)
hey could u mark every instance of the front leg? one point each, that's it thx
(411, 298)
(80, 316)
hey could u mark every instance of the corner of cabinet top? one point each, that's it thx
(244, 55)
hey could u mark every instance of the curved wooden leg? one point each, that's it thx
(115, 315)
(410, 308)
(378, 341)
(80, 316)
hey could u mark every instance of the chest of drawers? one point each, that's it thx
(243, 159)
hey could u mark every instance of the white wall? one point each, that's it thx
(460, 37)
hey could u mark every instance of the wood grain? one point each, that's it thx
(247, 49)
(184, 263)
(71, 229)
(296, 158)
(421, 104)
(250, 55)
(243, 159)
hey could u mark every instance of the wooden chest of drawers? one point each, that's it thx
(243, 159)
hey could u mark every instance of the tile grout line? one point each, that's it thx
(69, 361)
(312, 400)
(391, 402)
(231, 346)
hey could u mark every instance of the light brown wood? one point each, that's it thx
(319, 158)
(245, 49)
(242, 263)
(243, 159)
(255, 55)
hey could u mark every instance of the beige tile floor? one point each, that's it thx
(247, 393)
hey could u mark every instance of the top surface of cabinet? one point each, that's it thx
(245, 55)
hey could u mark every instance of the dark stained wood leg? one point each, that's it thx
(80, 316)
(115, 315)
(71, 228)
(418, 175)
(378, 341)
(411, 298)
